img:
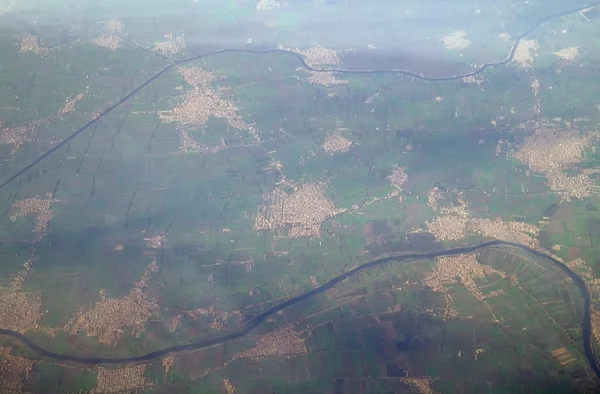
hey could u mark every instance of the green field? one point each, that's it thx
(238, 180)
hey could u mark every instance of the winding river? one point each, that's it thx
(252, 324)
(302, 62)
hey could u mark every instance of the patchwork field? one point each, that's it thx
(170, 177)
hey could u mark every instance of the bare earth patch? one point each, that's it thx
(121, 380)
(304, 210)
(456, 41)
(283, 341)
(14, 373)
(336, 142)
(109, 316)
(167, 363)
(595, 318)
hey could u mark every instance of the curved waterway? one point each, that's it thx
(303, 63)
(252, 324)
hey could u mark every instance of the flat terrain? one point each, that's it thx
(237, 180)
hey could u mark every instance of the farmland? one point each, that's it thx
(242, 176)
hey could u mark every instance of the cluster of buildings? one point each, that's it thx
(110, 37)
(550, 151)
(170, 46)
(70, 104)
(420, 385)
(448, 227)
(14, 372)
(452, 225)
(465, 267)
(304, 210)
(19, 311)
(455, 223)
(197, 77)
(107, 318)
(112, 42)
(398, 177)
(17, 135)
(319, 56)
(30, 43)
(110, 315)
(326, 78)
(336, 142)
(200, 103)
(513, 231)
(283, 341)
(41, 207)
(121, 379)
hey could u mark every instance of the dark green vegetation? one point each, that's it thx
(125, 179)
(400, 337)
